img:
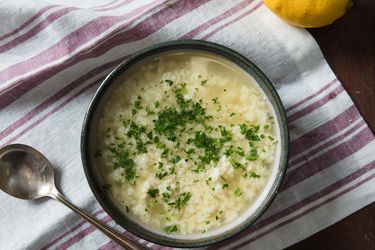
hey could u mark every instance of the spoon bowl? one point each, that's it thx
(25, 173)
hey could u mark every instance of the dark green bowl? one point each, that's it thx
(90, 123)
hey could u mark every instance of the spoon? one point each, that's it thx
(25, 173)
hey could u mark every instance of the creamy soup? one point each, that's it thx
(185, 144)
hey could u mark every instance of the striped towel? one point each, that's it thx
(54, 54)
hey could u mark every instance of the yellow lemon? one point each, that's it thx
(308, 13)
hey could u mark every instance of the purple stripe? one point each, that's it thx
(74, 40)
(292, 118)
(87, 231)
(80, 235)
(50, 72)
(324, 131)
(327, 144)
(41, 12)
(329, 158)
(46, 22)
(148, 26)
(306, 211)
(111, 245)
(233, 21)
(228, 13)
(300, 204)
(35, 30)
(290, 108)
(60, 94)
(54, 110)
(28, 22)
(70, 231)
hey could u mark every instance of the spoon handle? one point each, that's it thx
(116, 236)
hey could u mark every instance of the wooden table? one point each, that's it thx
(349, 47)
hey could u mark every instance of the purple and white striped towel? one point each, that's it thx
(54, 53)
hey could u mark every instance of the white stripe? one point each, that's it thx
(227, 20)
(326, 149)
(314, 99)
(52, 106)
(150, 244)
(78, 4)
(56, 31)
(331, 137)
(9, 9)
(31, 25)
(312, 69)
(327, 112)
(74, 232)
(94, 239)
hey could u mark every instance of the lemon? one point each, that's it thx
(308, 13)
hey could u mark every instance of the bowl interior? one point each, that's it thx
(235, 62)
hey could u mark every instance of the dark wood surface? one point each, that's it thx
(349, 47)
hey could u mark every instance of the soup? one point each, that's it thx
(186, 143)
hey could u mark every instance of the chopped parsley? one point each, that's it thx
(253, 156)
(254, 175)
(123, 161)
(169, 82)
(237, 192)
(215, 100)
(153, 192)
(170, 229)
(138, 103)
(182, 200)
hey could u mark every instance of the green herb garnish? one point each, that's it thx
(153, 192)
(254, 175)
(170, 82)
(170, 229)
(237, 192)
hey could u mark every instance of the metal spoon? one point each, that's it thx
(27, 174)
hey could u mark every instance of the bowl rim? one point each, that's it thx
(199, 45)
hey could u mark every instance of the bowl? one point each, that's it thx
(226, 231)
